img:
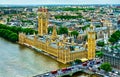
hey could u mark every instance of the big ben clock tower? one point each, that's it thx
(42, 21)
(91, 43)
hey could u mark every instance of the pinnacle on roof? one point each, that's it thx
(91, 25)
(42, 9)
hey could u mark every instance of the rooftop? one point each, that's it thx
(73, 48)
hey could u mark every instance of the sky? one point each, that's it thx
(29, 2)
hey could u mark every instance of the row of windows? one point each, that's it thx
(115, 62)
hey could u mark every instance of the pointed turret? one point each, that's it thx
(91, 26)
(54, 34)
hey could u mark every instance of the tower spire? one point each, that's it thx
(91, 43)
(54, 33)
(91, 26)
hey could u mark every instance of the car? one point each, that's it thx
(54, 72)
(98, 62)
(46, 75)
(64, 69)
(93, 70)
(116, 72)
(84, 64)
(91, 65)
(89, 68)
(69, 68)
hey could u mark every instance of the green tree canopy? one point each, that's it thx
(13, 37)
(66, 76)
(74, 33)
(100, 43)
(106, 66)
(115, 37)
(50, 29)
(112, 40)
(99, 54)
(18, 29)
(97, 26)
(85, 38)
(63, 30)
(85, 27)
(67, 17)
(75, 9)
(78, 61)
(11, 33)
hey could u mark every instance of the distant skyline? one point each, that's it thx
(47, 2)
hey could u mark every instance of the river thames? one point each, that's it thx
(20, 61)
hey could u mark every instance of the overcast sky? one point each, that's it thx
(59, 1)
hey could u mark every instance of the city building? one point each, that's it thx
(64, 49)
(112, 56)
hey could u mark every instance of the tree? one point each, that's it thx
(13, 37)
(8, 19)
(85, 38)
(85, 27)
(11, 33)
(72, 48)
(100, 43)
(112, 40)
(77, 61)
(115, 37)
(63, 30)
(66, 76)
(74, 33)
(99, 54)
(68, 17)
(97, 26)
(50, 29)
(106, 66)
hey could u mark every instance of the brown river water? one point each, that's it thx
(20, 61)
